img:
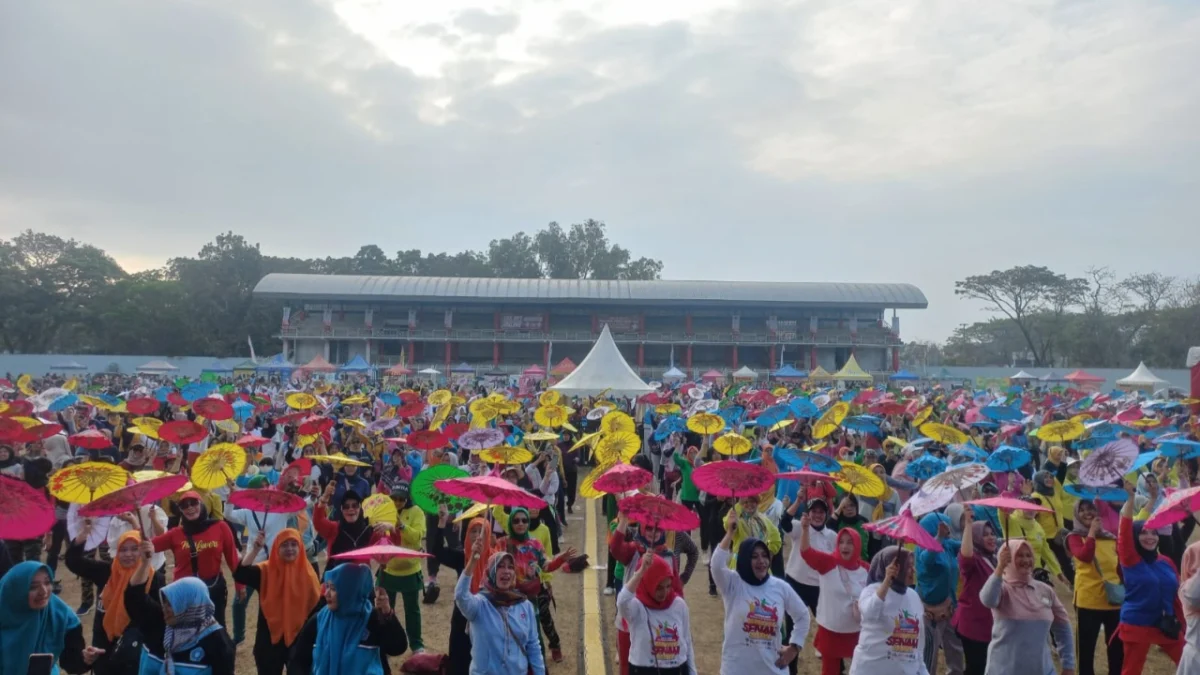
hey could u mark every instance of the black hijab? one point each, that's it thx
(1148, 556)
(197, 526)
(879, 565)
(745, 569)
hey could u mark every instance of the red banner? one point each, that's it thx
(521, 322)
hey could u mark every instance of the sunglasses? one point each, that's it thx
(350, 507)
(520, 521)
(188, 504)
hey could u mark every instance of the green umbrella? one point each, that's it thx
(428, 497)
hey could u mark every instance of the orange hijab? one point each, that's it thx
(479, 573)
(287, 591)
(116, 619)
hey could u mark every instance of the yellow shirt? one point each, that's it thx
(1089, 584)
(412, 536)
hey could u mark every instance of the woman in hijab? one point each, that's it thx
(1023, 525)
(843, 577)
(288, 590)
(847, 516)
(660, 624)
(350, 533)
(179, 627)
(1151, 612)
(503, 623)
(892, 640)
(110, 579)
(972, 620)
(753, 598)
(1048, 493)
(1094, 549)
(454, 557)
(199, 542)
(1024, 611)
(529, 556)
(1189, 596)
(354, 633)
(937, 585)
(35, 621)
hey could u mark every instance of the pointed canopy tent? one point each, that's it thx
(495, 372)
(156, 368)
(399, 370)
(564, 367)
(319, 365)
(852, 372)
(1141, 378)
(604, 369)
(712, 375)
(356, 365)
(903, 376)
(944, 374)
(1083, 377)
(744, 373)
(217, 367)
(276, 364)
(463, 367)
(430, 371)
(68, 365)
(245, 367)
(819, 373)
(1023, 376)
(788, 372)
(674, 373)
(535, 371)
(1052, 377)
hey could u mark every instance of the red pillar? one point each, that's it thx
(687, 325)
(895, 360)
(641, 324)
(771, 356)
(734, 364)
(812, 357)
(449, 353)
(546, 322)
(641, 355)
(687, 359)
(495, 353)
(545, 352)
(412, 352)
(496, 321)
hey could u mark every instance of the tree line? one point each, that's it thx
(64, 296)
(1046, 319)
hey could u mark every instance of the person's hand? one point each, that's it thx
(1094, 530)
(805, 520)
(1062, 578)
(1130, 489)
(328, 494)
(1003, 560)
(241, 594)
(622, 522)
(147, 548)
(382, 604)
(968, 518)
(90, 654)
(787, 655)
(731, 522)
(129, 519)
(383, 528)
(260, 540)
(477, 546)
(646, 561)
(568, 553)
(892, 571)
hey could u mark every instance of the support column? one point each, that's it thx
(687, 324)
(734, 362)
(449, 354)
(545, 353)
(812, 357)
(546, 324)
(496, 321)
(641, 355)
(895, 359)
(412, 353)
(595, 324)
(367, 356)
(326, 350)
(771, 357)
(285, 350)
(495, 354)
(687, 358)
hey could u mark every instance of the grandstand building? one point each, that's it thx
(509, 324)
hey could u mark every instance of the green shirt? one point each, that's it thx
(687, 490)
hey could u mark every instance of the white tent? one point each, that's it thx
(744, 373)
(430, 371)
(604, 369)
(156, 368)
(1023, 376)
(1141, 378)
(674, 374)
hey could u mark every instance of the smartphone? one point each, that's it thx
(40, 664)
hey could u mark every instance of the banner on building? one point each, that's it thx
(784, 329)
(854, 325)
(812, 325)
(448, 321)
(369, 318)
(327, 319)
(737, 322)
(522, 322)
(287, 314)
(621, 324)
(412, 319)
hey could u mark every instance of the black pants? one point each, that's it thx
(551, 524)
(1065, 561)
(975, 655)
(1090, 621)
(26, 549)
(270, 659)
(219, 594)
(810, 595)
(432, 530)
(58, 537)
(569, 491)
(712, 531)
(651, 670)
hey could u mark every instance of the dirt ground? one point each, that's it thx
(708, 617)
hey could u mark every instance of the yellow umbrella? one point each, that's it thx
(96, 402)
(1060, 432)
(1144, 423)
(506, 454)
(507, 407)
(586, 439)
(619, 447)
(23, 384)
(732, 444)
(218, 465)
(357, 424)
(781, 424)
(228, 426)
(587, 488)
(306, 439)
(145, 431)
(151, 474)
(922, 415)
(899, 442)
(380, 509)
(542, 436)
(859, 480)
(440, 397)
(946, 435)
(549, 398)
(301, 401)
(485, 409)
(339, 460)
(84, 483)
(616, 422)
(355, 400)
(605, 404)
(551, 415)
(1082, 417)
(779, 391)
(831, 419)
(475, 510)
(147, 423)
(71, 384)
(667, 409)
(706, 423)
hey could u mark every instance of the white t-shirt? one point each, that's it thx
(840, 590)
(754, 619)
(118, 527)
(661, 638)
(892, 640)
(796, 569)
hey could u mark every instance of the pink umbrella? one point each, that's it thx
(1176, 507)
(490, 490)
(974, 415)
(905, 528)
(656, 511)
(622, 478)
(133, 497)
(733, 479)
(1128, 415)
(25, 513)
(267, 500)
(381, 553)
(1009, 504)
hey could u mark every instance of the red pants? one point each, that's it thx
(623, 651)
(1136, 652)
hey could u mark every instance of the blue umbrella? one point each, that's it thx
(389, 398)
(1144, 460)
(803, 408)
(109, 399)
(669, 425)
(1001, 413)
(197, 390)
(162, 393)
(733, 414)
(981, 424)
(798, 460)
(1093, 442)
(925, 467)
(1104, 493)
(864, 423)
(63, 402)
(773, 415)
(1161, 431)
(969, 450)
(1007, 458)
(1176, 447)
(242, 410)
(849, 395)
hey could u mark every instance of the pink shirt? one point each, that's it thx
(972, 619)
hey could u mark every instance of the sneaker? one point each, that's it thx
(556, 655)
(84, 609)
(712, 592)
(609, 590)
(432, 592)
(704, 558)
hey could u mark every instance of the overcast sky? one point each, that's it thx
(875, 140)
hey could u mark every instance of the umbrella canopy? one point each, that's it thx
(732, 445)
(744, 373)
(381, 553)
(218, 465)
(217, 367)
(156, 368)
(925, 467)
(215, 409)
(658, 512)
(399, 370)
(674, 373)
(622, 478)
(133, 497)
(729, 478)
(1007, 458)
(490, 490)
(806, 460)
(944, 434)
(1108, 463)
(712, 375)
(83, 483)
(788, 372)
(267, 500)
(852, 372)
(1176, 507)
(905, 528)
(25, 512)
(356, 365)
(428, 497)
(859, 480)
(481, 439)
(1103, 493)
(506, 454)
(1083, 377)
(379, 508)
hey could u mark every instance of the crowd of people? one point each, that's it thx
(979, 589)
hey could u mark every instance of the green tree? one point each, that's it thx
(585, 253)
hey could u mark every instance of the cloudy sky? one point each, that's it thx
(850, 140)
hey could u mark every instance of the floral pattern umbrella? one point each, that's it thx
(732, 445)
(733, 479)
(830, 420)
(25, 513)
(490, 490)
(133, 497)
(859, 480)
(1176, 507)
(706, 424)
(506, 454)
(428, 497)
(218, 465)
(1108, 463)
(658, 512)
(905, 528)
(622, 478)
(616, 448)
(1060, 432)
(617, 422)
(182, 432)
(83, 483)
(944, 434)
(481, 439)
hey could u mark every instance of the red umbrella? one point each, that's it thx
(905, 528)
(18, 409)
(1176, 507)
(427, 439)
(142, 406)
(133, 497)
(622, 478)
(456, 430)
(290, 418)
(1129, 415)
(407, 397)
(25, 512)
(412, 409)
(733, 479)
(10, 429)
(39, 432)
(90, 439)
(380, 553)
(490, 490)
(213, 408)
(315, 425)
(252, 441)
(181, 432)
(658, 512)
(295, 472)
(175, 398)
(267, 500)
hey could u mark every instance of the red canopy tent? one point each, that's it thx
(713, 375)
(564, 367)
(399, 370)
(1085, 380)
(535, 372)
(319, 365)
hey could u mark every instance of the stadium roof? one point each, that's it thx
(316, 287)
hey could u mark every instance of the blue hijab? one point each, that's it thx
(25, 631)
(340, 631)
(195, 617)
(937, 571)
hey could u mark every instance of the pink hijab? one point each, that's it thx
(1023, 597)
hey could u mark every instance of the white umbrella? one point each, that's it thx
(97, 536)
(941, 489)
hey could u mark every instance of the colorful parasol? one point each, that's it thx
(182, 432)
(729, 478)
(440, 397)
(803, 476)
(252, 441)
(622, 478)
(1108, 463)
(481, 439)
(667, 409)
(905, 528)
(830, 420)
(267, 500)
(944, 434)
(338, 460)
(358, 399)
(1007, 458)
(549, 397)
(1060, 432)
(541, 436)
(83, 483)
(925, 467)
(587, 486)
(490, 490)
(1100, 492)
(25, 512)
(76, 521)
(142, 406)
(859, 480)
(782, 424)
(90, 439)
(381, 553)
(214, 409)
(471, 513)
(427, 496)
(315, 425)
(616, 448)
(301, 401)
(379, 508)
(552, 416)
(506, 454)
(218, 465)
(134, 497)
(806, 459)
(295, 473)
(958, 477)
(427, 440)
(732, 445)
(1010, 504)
(617, 422)
(706, 424)
(1176, 507)
(39, 432)
(151, 474)
(658, 512)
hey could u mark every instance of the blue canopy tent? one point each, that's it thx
(356, 365)
(788, 372)
(903, 375)
(276, 364)
(217, 367)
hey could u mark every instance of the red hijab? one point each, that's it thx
(855, 562)
(659, 569)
